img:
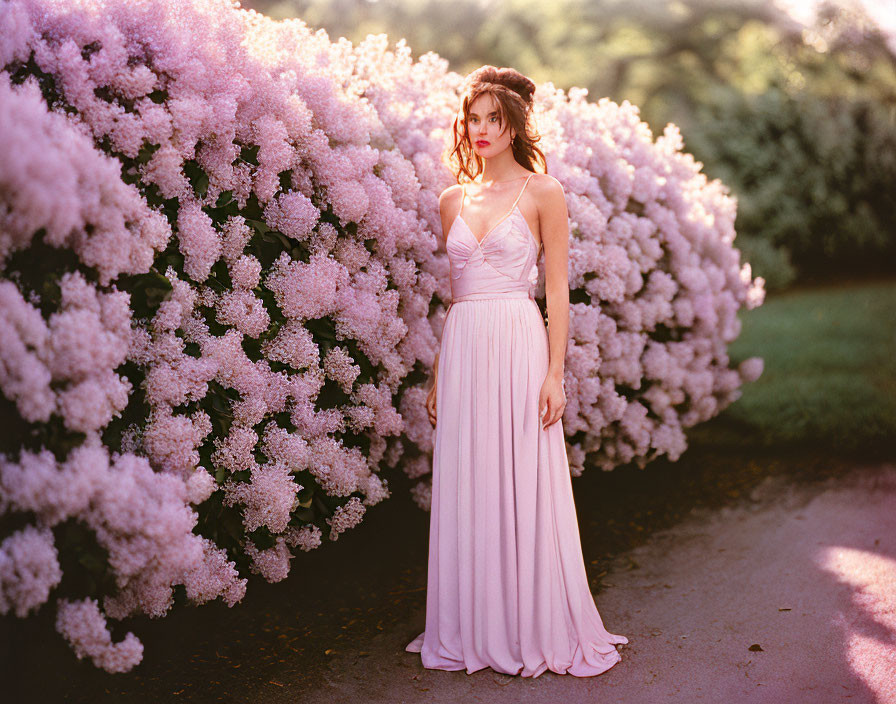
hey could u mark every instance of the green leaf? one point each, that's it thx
(260, 226)
(305, 497)
(224, 198)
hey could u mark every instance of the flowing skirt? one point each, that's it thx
(506, 582)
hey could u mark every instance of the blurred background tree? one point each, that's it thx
(798, 119)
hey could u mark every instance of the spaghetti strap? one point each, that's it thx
(521, 192)
(509, 212)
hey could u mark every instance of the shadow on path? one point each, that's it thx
(789, 596)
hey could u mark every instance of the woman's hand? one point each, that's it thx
(551, 400)
(431, 399)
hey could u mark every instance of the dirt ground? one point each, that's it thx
(737, 576)
(789, 597)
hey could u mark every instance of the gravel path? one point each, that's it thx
(787, 597)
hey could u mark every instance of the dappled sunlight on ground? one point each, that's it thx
(869, 629)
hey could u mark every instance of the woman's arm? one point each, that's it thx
(449, 206)
(554, 221)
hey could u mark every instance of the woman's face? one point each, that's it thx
(487, 135)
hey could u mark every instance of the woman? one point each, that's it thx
(506, 584)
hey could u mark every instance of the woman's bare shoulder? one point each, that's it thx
(547, 184)
(449, 207)
(449, 192)
(548, 191)
(450, 198)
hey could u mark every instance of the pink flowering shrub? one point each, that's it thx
(655, 285)
(221, 295)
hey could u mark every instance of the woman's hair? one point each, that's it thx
(513, 93)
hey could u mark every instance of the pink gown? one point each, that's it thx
(506, 582)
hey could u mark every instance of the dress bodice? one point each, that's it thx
(503, 262)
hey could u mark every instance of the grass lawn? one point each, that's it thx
(830, 371)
